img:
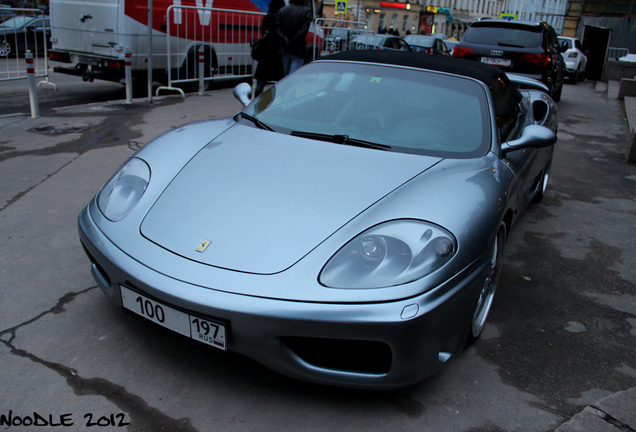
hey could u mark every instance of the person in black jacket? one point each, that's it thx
(292, 26)
(270, 67)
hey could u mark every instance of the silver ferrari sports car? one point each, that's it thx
(347, 227)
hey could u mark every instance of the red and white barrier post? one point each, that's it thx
(33, 93)
(201, 71)
(128, 74)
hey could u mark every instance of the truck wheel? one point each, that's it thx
(5, 48)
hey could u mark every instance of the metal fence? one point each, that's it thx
(617, 53)
(225, 35)
(23, 29)
(339, 35)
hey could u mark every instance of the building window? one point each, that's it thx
(394, 21)
(405, 23)
(381, 19)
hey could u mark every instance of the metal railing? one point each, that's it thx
(338, 34)
(225, 35)
(617, 53)
(25, 31)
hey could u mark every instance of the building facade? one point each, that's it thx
(449, 17)
(551, 11)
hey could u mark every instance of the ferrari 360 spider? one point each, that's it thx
(346, 227)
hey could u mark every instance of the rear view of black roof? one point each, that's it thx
(482, 72)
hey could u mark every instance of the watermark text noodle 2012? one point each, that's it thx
(62, 420)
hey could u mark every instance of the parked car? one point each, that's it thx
(22, 33)
(379, 42)
(427, 44)
(324, 231)
(450, 44)
(526, 48)
(575, 59)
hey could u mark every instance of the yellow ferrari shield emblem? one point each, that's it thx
(203, 245)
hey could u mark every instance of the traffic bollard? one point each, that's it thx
(128, 74)
(201, 72)
(33, 89)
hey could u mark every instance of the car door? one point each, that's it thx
(511, 120)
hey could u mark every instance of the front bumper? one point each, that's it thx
(366, 345)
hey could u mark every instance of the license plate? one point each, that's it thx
(496, 61)
(197, 328)
(88, 60)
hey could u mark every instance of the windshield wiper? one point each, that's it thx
(256, 121)
(340, 139)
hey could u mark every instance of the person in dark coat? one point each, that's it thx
(292, 26)
(270, 68)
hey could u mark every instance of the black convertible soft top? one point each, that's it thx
(473, 69)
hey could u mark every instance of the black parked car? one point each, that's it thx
(22, 33)
(526, 48)
(427, 44)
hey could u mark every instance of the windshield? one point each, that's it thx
(569, 42)
(409, 110)
(420, 40)
(17, 22)
(505, 35)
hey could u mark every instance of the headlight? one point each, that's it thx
(389, 254)
(573, 54)
(124, 190)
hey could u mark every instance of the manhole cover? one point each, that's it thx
(59, 130)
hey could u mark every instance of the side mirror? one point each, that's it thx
(533, 136)
(243, 93)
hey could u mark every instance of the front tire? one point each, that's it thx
(542, 187)
(487, 294)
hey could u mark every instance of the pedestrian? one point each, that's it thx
(270, 67)
(292, 26)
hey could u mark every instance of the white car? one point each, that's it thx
(575, 59)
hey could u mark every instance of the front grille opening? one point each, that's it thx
(342, 354)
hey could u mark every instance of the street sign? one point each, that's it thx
(341, 6)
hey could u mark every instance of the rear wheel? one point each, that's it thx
(487, 294)
(574, 78)
(581, 73)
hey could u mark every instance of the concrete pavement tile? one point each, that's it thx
(587, 421)
(620, 406)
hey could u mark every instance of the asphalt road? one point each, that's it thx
(561, 334)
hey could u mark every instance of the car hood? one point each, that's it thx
(263, 200)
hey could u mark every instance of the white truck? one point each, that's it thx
(92, 36)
